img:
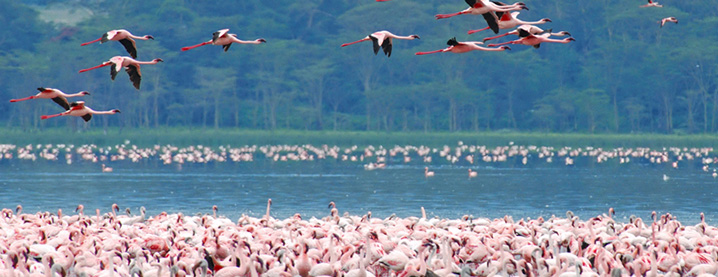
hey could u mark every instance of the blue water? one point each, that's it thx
(307, 188)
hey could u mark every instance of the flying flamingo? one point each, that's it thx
(79, 109)
(224, 39)
(123, 36)
(534, 40)
(55, 94)
(131, 65)
(668, 19)
(383, 40)
(530, 29)
(652, 4)
(463, 47)
(510, 20)
(486, 9)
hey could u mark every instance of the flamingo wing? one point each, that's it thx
(387, 45)
(130, 46)
(226, 46)
(219, 34)
(523, 33)
(62, 101)
(135, 75)
(375, 42)
(106, 37)
(113, 71)
(87, 117)
(490, 18)
(474, 3)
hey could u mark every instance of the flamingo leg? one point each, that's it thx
(91, 42)
(476, 31)
(195, 46)
(358, 41)
(499, 44)
(95, 67)
(495, 37)
(429, 52)
(51, 116)
(22, 99)
(442, 16)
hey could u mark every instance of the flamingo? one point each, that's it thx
(382, 39)
(472, 173)
(463, 47)
(530, 29)
(652, 4)
(79, 109)
(534, 40)
(224, 39)
(668, 19)
(510, 20)
(486, 9)
(428, 173)
(131, 65)
(106, 169)
(55, 94)
(123, 36)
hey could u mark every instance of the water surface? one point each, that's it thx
(307, 188)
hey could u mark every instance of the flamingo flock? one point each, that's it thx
(372, 157)
(113, 244)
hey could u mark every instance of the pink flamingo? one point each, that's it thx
(55, 94)
(463, 47)
(472, 173)
(383, 40)
(652, 4)
(486, 9)
(428, 173)
(510, 20)
(530, 29)
(668, 19)
(534, 40)
(79, 109)
(123, 36)
(224, 39)
(131, 65)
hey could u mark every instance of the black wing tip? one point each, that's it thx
(452, 42)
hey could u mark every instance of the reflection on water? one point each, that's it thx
(307, 188)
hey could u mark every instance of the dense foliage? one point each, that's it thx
(623, 74)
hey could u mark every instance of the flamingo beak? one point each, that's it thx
(547, 20)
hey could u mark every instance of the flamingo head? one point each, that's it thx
(158, 60)
(570, 39)
(84, 92)
(262, 40)
(150, 37)
(523, 6)
(116, 111)
(415, 36)
(504, 47)
(564, 33)
(546, 20)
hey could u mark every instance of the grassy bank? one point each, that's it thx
(237, 137)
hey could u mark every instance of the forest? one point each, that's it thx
(624, 73)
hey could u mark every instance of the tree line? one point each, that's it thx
(623, 74)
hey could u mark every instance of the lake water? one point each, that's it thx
(307, 188)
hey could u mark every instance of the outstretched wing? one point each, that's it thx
(490, 18)
(387, 46)
(113, 71)
(130, 46)
(87, 117)
(135, 75)
(226, 47)
(375, 42)
(62, 101)
(219, 34)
